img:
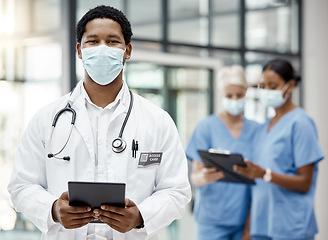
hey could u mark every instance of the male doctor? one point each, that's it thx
(156, 192)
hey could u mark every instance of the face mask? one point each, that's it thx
(234, 107)
(273, 98)
(102, 63)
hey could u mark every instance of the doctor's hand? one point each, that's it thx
(252, 170)
(69, 216)
(121, 219)
(202, 175)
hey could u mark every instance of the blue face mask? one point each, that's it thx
(273, 98)
(234, 107)
(102, 63)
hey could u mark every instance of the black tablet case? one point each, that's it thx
(95, 194)
(225, 162)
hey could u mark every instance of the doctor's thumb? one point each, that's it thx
(64, 196)
(129, 203)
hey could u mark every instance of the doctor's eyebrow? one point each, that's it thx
(91, 36)
(114, 36)
(109, 36)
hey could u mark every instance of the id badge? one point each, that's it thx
(150, 159)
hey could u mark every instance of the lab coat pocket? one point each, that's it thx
(58, 173)
(141, 181)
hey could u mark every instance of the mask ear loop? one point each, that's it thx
(124, 58)
(285, 89)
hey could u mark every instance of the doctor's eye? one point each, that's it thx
(92, 42)
(113, 41)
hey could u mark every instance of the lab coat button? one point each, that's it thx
(90, 175)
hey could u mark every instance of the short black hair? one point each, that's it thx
(105, 12)
(283, 68)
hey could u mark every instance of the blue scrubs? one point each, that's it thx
(267, 238)
(279, 213)
(220, 206)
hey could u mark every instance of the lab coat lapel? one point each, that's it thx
(119, 110)
(124, 102)
(82, 122)
(117, 122)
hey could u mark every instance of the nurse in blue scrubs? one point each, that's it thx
(221, 208)
(285, 163)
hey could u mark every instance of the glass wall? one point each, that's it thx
(30, 77)
(184, 92)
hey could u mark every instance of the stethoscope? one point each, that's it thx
(118, 144)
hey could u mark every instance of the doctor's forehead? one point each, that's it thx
(103, 27)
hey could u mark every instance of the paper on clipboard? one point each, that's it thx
(225, 162)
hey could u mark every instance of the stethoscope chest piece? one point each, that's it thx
(118, 145)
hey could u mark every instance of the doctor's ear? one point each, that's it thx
(78, 49)
(128, 51)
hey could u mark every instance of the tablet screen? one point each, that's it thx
(95, 194)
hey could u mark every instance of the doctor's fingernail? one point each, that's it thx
(89, 209)
(103, 207)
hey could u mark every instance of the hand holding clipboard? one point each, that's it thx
(224, 162)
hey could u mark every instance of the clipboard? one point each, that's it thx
(95, 194)
(224, 162)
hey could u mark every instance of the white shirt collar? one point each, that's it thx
(118, 98)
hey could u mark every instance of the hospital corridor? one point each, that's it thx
(163, 119)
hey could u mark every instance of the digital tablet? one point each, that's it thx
(224, 162)
(95, 194)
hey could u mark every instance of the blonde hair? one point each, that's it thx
(231, 75)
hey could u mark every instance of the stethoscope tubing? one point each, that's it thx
(127, 115)
(69, 136)
(66, 108)
(120, 148)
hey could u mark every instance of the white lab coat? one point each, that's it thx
(161, 192)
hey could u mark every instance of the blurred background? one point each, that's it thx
(178, 48)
